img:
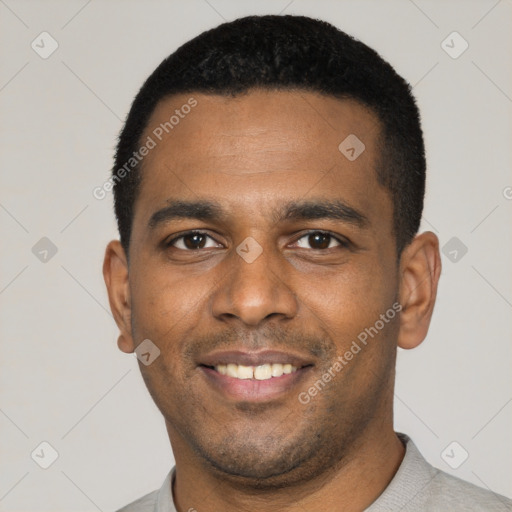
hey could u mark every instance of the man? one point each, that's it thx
(269, 185)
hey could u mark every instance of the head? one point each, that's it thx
(294, 154)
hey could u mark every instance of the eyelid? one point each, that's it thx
(168, 243)
(341, 240)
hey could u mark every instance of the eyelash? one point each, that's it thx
(343, 243)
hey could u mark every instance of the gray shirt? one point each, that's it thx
(417, 486)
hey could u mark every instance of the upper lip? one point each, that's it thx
(253, 358)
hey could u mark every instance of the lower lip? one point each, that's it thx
(254, 390)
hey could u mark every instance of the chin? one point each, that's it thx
(269, 463)
(275, 475)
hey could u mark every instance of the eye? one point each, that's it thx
(194, 240)
(321, 240)
(191, 241)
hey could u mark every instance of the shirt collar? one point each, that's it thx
(165, 502)
(409, 483)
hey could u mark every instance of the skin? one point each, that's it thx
(252, 153)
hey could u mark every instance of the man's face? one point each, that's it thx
(213, 299)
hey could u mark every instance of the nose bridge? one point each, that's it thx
(254, 264)
(254, 286)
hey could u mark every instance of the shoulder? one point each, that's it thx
(447, 492)
(418, 486)
(161, 499)
(145, 504)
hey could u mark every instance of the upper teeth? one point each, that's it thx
(263, 372)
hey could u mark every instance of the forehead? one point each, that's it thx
(249, 120)
(256, 148)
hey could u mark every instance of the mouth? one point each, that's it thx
(262, 372)
(256, 377)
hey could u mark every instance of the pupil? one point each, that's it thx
(195, 237)
(315, 237)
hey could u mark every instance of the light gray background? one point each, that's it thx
(62, 378)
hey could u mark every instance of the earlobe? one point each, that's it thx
(420, 269)
(125, 344)
(115, 274)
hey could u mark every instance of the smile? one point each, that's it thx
(254, 376)
(262, 372)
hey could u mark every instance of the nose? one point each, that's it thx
(254, 289)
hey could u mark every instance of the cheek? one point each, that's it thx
(167, 308)
(349, 300)
(161, 312)
(160, 305)
(347, 292)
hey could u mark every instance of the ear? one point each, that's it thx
(115, 273)
(420, 268)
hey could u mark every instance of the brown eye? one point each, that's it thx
(191, 241)
(320, 240)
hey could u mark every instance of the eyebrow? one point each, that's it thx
(292, 210)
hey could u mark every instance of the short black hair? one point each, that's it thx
(287, 53)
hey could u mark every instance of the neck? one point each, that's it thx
(352, 485)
